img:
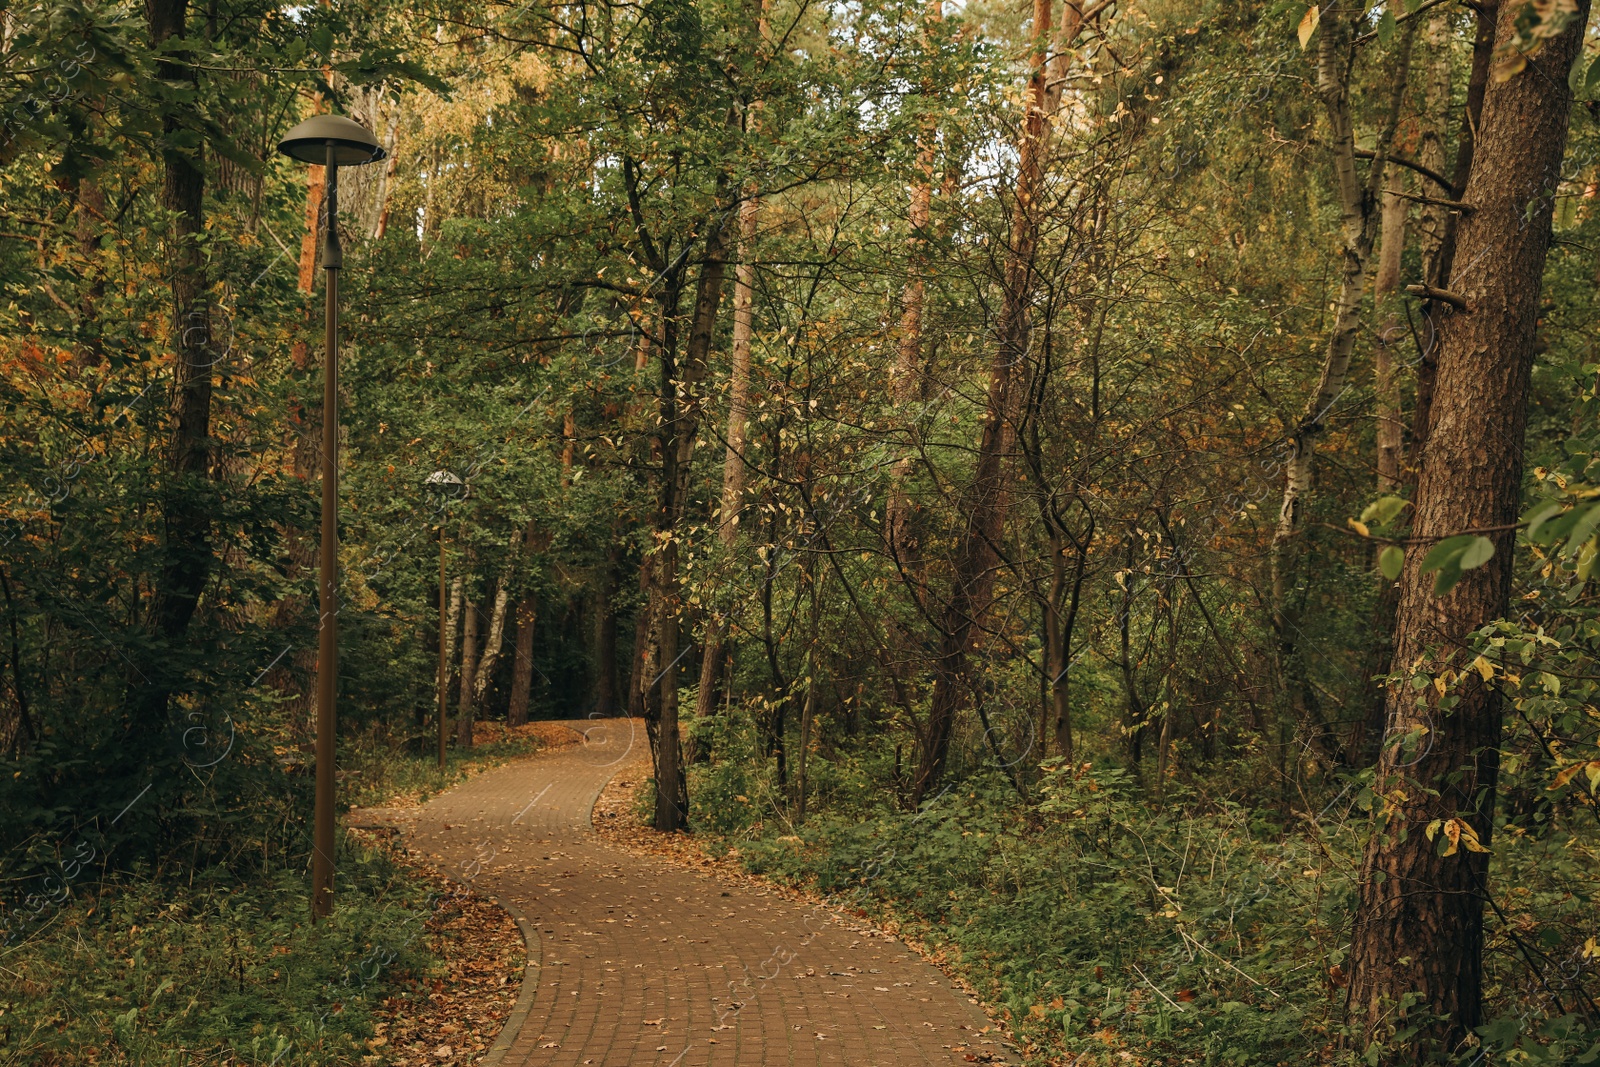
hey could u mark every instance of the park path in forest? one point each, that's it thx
(639, 960)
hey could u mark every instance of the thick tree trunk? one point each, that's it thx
(1360, 215)
(1440, 263)
(1419, 924)
(522, 669)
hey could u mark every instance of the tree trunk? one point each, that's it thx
(1061, 614)
(497, 617)
(983, 502)
(681, 404)
(1440, 264)
(1359, 214)
(491, 645)
(1368, 729)
(1392, 334)
(469, 673)
(906, 383)
(605, 689)
(522, 669)
(186, 554)
(316, 179)
(1419, 924)
(733, 463)
(639, 688)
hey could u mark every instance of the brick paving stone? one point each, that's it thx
(645, 962)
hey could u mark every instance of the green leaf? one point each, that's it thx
(1586, 558)
(322, 40)
(1445, 552)
(1592, 78)
(1582, 530)
(1447, 577)
(1541, 514)
(1391, 560)
(1386, 28)
(1383, 510)
(1476, 554)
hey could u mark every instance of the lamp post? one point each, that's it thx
(446, 485)
(333, 142)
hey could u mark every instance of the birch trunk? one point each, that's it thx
(1359, 218)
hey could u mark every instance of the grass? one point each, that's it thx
(222, 967)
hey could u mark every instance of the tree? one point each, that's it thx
(1418, 929)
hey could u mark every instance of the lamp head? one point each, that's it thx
(353, 144)
(445, 484)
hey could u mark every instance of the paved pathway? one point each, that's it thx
(646, 962)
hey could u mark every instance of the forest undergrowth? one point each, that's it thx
(1197, 931)
(222, 965)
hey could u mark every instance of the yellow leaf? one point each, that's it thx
(1484, 668)
(1308, 25)
(1359, 527)
(1566, 775)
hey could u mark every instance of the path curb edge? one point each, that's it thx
(530, 986)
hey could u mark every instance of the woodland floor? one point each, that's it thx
(649, 951)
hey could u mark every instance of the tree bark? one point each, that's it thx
(1362, 745)
(509, 575)
(522, 669)
(492, 643)
(1440, 264)
(906, 383)
(1419, 923)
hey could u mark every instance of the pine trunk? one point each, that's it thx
(1419, 924)
(983, 503)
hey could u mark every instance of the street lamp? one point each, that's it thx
(446, 485)
(333, 142)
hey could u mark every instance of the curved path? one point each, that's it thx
(640, 961)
